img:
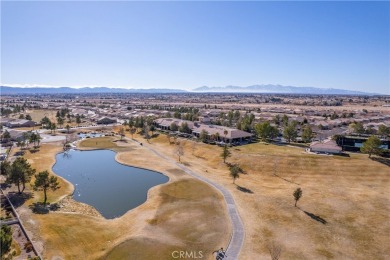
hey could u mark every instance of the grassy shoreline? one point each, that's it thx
(63, 233)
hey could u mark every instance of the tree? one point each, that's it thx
(20, 173)
(26, 138)
(266, 131)
(235, 172)
(6, 135)
(383, 130)
(53, 127)
(297, 195)
(21, 116)
(276, 119)
(132, 131)
(184, 128)
(173, 127)
(290, 132)
(357, 128)
(121, 132)
(225, 132)
(45, 121)
(146, 133)
(179, 149)
(152, 128)
(285, 120)
(28, 117)
(67, 128)
(32, 138)
(307, 134)
(203, 135)
(225, 153)
(38, 138)
(60, 121)
(130, 123)
(69, 118)
(5, 167)
(5, 239)
(78, 119)
(44, 182)
(371, 146)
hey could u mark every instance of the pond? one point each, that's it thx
(100, 181)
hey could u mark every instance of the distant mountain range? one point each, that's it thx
(277, 89)
(67, 90)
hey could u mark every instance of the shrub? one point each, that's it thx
(28, 246)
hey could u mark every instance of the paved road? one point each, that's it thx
(237, 239)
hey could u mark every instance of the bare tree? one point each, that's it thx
(179, 149)
(275, 250)
(132, 131)
(121, 132)
(146, 133)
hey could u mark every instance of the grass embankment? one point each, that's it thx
(182, 214)
(351, 194)
(43, 160)
(99, 143)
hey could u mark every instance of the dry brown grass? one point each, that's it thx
(350, 193)
(184, 213)
(37, 115)
(98, 143)
(44, 160)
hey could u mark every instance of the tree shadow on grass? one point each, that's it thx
(315, 217)
(39, 208)
(33, 150)
(243, 189)
(186, 164)
(285, 179)
(384, 161)
(17, 199)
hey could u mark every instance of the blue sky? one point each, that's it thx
(190, 44)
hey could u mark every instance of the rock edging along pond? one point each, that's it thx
(102, 182)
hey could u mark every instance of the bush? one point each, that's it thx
(28, 246)
(5, 238)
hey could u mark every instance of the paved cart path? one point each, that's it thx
(238, 232)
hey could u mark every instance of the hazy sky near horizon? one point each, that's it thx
(191, 44)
